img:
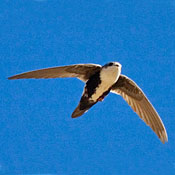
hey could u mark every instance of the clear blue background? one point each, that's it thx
(37, 134)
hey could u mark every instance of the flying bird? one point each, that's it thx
(99, 82)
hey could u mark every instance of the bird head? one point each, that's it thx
(112, 64)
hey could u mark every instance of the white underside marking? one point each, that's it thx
(108, 77)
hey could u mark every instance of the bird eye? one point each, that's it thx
(110, 64)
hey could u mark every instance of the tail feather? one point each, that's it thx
(82, 108)
(84, 105)
(78, 112)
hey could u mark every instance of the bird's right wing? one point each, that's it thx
(135, 97)
(81, 71)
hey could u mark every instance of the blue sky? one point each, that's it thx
(37, 134)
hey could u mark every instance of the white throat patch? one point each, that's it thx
(108, 75)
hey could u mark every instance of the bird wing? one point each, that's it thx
(137, 100)
(81, 71)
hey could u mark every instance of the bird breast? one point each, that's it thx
(108, 77)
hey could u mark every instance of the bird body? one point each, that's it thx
(99, 82)
(108, 76)
(97, 87)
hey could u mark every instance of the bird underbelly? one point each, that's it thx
(99, 85)
(100, 91)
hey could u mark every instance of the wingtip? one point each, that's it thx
(10, 78)
(13, 77)
(164, 141)
(164, 137)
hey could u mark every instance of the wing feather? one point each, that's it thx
(81, 71)
(138, 101)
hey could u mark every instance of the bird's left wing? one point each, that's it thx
(81, 71)
(135, 97)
